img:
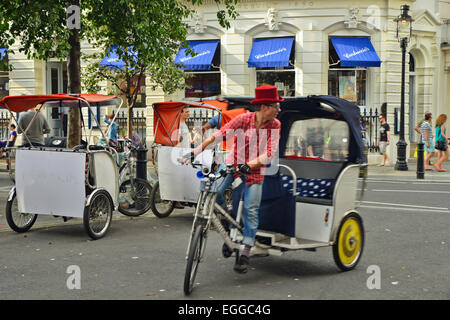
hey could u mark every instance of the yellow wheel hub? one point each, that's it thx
(349, 241)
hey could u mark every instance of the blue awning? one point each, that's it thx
(3, 53)
(204, 50)
(270, 53)
(112, 60)
(355, 52)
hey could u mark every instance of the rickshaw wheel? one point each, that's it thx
(349, 244)
(135, 202)
(160, 208)
(18, 221)
(98, 215)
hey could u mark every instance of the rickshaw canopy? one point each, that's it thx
(22, 103)
(167, 117)
(320, 106)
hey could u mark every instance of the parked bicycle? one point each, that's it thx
(134, 193)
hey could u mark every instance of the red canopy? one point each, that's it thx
(167, 117)
(25, 102)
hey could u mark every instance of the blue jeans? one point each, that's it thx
(250, 212)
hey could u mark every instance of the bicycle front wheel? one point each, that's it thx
(195, 253)
(134, 197)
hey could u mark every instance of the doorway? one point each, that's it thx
(56, 82)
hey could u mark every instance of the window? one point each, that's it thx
(204, 69)
(319, 138)
(203, 84)
(4, 84)
(274, 60)
(349, 82)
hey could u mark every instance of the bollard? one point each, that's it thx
(420, 164)
(141, 162)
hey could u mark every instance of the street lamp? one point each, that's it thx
(404, 30)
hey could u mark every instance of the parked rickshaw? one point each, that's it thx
(177, 184)
(311, 198)
(81, 182)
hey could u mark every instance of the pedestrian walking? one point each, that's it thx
(384, 137)
(441, 142)
(427, 139)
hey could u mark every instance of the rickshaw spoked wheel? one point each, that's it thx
(134, 198)
(18, 221)
(349, 244)
(160, 208)
(98, 215)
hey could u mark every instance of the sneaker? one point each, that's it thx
(242, 265)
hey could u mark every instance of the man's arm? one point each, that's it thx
(388, 136)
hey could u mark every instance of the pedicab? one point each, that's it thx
(176, 184)
(81, 182)
(309, 200)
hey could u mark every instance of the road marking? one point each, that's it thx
(421, 191)
(5, 188)
(403, 205)
(446, 182)
(405, 209)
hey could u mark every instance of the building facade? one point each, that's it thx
(314, 65)
(313, 61)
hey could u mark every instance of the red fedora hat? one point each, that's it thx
(266, 95)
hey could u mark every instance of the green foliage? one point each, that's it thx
(155, 29)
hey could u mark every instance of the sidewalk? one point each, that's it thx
(411, 174)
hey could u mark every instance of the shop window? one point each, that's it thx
(203, 69)
(203, 84)
(4, 84)
(347, 82)
(276, 63)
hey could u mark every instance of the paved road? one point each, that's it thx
(406, 222)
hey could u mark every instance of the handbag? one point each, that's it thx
(440, 145)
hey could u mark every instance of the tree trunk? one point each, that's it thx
(74, 86)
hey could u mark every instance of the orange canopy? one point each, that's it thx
(25, 102)
(167, 117)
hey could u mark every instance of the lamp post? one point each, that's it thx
(404, 23)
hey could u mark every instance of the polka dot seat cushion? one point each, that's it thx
(316, 188)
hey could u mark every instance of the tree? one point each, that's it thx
(153, 29)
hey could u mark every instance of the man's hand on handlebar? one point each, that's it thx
(244, 168)
(187, 158)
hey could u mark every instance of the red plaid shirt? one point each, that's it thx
(248, 143)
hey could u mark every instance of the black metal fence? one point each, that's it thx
(138, 121)
(199, 116)
(371, 123)
(5, 121)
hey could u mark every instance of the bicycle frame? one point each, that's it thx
(205, 214)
